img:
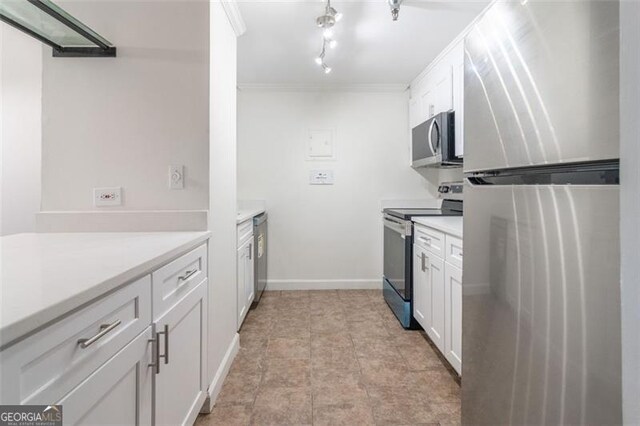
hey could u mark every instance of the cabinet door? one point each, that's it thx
(427, 101)
(453, 316)
(249, 285)
(118, 393)
(420, 287)
(414, 112)
(180, 387)
(457, 62)
(443, 88)
(242, 283)
(437, 300)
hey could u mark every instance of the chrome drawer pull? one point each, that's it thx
(166, 344)
(156, 345)
(187, 275)
(104, 330)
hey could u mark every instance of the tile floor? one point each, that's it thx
(333, 358)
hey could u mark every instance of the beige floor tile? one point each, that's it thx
(420, 357)
(340, 339)
(344, 413)
(246, 362)
(239, 388)
(228, 415)
(337, 386)
(337, 358)
(284, 347)
(375, 348)
(287, 373)
(282, 406)
(334, 357)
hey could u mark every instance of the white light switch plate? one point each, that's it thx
(321, 177)
(107, 196)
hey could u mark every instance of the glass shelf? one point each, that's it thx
(52, 25)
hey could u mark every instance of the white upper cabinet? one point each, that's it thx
(441, 89)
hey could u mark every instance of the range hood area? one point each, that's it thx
(53, 26)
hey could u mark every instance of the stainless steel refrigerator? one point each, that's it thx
(541, 299)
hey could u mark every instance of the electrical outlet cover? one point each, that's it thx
(321, 177)
(107, 196)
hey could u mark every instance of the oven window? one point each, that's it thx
(395, 261)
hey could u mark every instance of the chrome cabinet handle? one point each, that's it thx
(423, 259)
(250, 251)
(104, 330)
(166, 344)
(426, 240)
(156, 350)
(156, 342)
(187, 275)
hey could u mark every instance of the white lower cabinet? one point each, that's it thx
(245, 285)
(120, 392)
(120, 360)
(180, 381)
(437, 300)
(453, 315)
(421, 307)
(437, 294)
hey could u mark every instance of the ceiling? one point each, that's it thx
(282, 40)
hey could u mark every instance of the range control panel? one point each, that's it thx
(451, 190)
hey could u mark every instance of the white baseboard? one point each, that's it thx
(360, 284)
(221, 374)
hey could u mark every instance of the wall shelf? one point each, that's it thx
(53, 26)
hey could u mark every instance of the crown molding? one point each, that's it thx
(459, 38)
(287, 87)
(235, 17)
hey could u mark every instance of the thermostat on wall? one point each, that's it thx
(321, 177)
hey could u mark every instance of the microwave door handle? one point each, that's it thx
(429, 132)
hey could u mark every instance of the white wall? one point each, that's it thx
(327, 236)
(630, 206)
(122, 121)
(222, 200)
(20, 136)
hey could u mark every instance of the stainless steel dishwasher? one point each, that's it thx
(259, 257)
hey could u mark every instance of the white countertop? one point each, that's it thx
(250, 213)
(448, 224)
(45, 276)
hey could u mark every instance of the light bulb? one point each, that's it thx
(333, 44)
(327, 70)
(338, 16)
(318, 60)
(327, 34)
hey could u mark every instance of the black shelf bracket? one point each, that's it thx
(12, 12)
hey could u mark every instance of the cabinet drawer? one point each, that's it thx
(245, 231)
(453, 250)
(47, 365)
(430, 239)
(174, 281)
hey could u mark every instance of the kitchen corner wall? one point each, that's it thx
(327, 236)
(122, 121)
(20, 107)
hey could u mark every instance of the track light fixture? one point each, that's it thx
(326, 23)
(395, 8)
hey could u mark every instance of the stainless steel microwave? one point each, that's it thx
(433, 142)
